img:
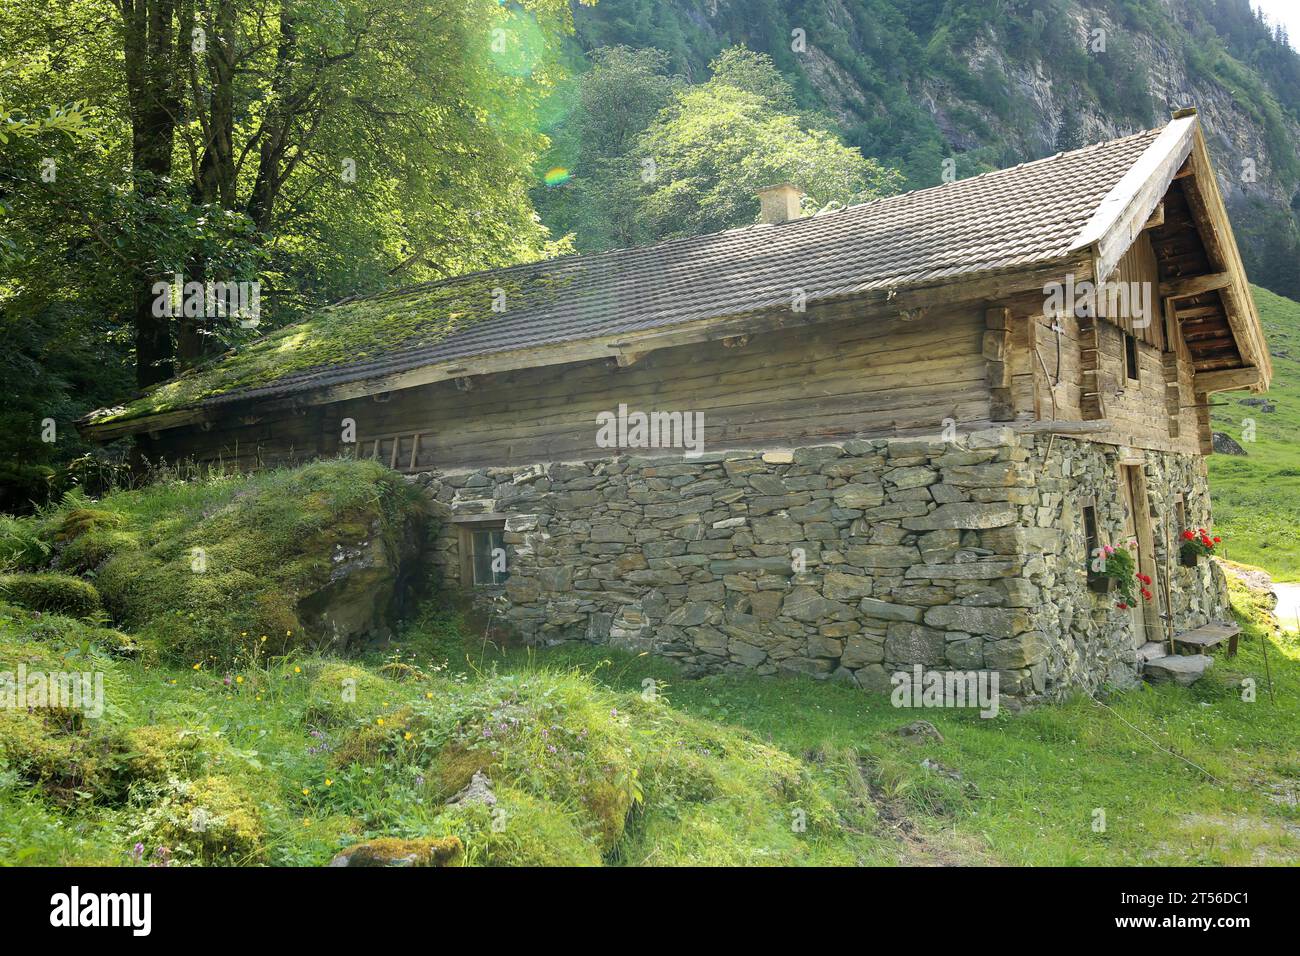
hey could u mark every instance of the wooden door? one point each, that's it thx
(1137, 527)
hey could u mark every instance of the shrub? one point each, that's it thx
(59, 593)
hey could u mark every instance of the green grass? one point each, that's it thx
(1032, 782)
(1257, 498)
(647, 767)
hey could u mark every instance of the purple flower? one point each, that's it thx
(137, 852)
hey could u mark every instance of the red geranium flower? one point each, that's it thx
(1188, 535)
(1217, 539)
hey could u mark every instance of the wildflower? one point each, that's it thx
(198, 667)
(239, 679)
(379, 721)
(306, 792)
(297, 670)
(428, 695)
(137, 852)
(406, 736)
(329, 782)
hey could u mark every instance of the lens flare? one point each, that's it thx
(557, 176)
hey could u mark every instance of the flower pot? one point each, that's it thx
(1189, 557)
(1101, 583)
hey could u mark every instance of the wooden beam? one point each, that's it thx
(1228, 380)
(1157, 217)
(1195, 285)
(1062, 427)
(1206, 205)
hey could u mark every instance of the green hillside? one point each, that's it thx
(1257, 497)
(986, 84)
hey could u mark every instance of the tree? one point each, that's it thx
(719, 143)
(321, 150)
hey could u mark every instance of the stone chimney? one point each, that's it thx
(780, 203)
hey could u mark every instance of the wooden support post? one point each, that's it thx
(997, 356)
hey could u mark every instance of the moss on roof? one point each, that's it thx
(350, 332)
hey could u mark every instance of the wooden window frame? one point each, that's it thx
(465, 545)
(1091, 540)
(1132, 358)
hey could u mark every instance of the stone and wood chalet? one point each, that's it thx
(911, 442)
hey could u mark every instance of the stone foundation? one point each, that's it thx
(849, 561)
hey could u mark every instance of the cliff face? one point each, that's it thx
(991, 83)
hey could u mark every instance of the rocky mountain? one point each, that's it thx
(981, 84)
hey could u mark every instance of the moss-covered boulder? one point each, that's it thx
(211, 820)
(60, 593)
(340, 691)
(387, 851)
(237, 568)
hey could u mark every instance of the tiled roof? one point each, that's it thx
(1017, 217)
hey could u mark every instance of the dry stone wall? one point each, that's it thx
(849, 561)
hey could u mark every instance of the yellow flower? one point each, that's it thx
(243, 634)
(288, 633)
(407, 735)
(380, 721)
(329, 782)
(306, 823)
(297, 670)
(305, 791)
(428, 695)
(239, 679)
(198, 667)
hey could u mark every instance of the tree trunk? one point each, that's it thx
(148, 44)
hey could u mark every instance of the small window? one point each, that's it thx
(1181, 505)
(483, 555)
(1090, 530)
(1130, 357)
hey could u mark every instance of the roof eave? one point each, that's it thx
(626, 348)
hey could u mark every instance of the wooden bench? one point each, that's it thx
(1202, 639)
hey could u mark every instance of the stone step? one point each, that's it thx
(1206, 637)
(1150, 651)
(1182, 669)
